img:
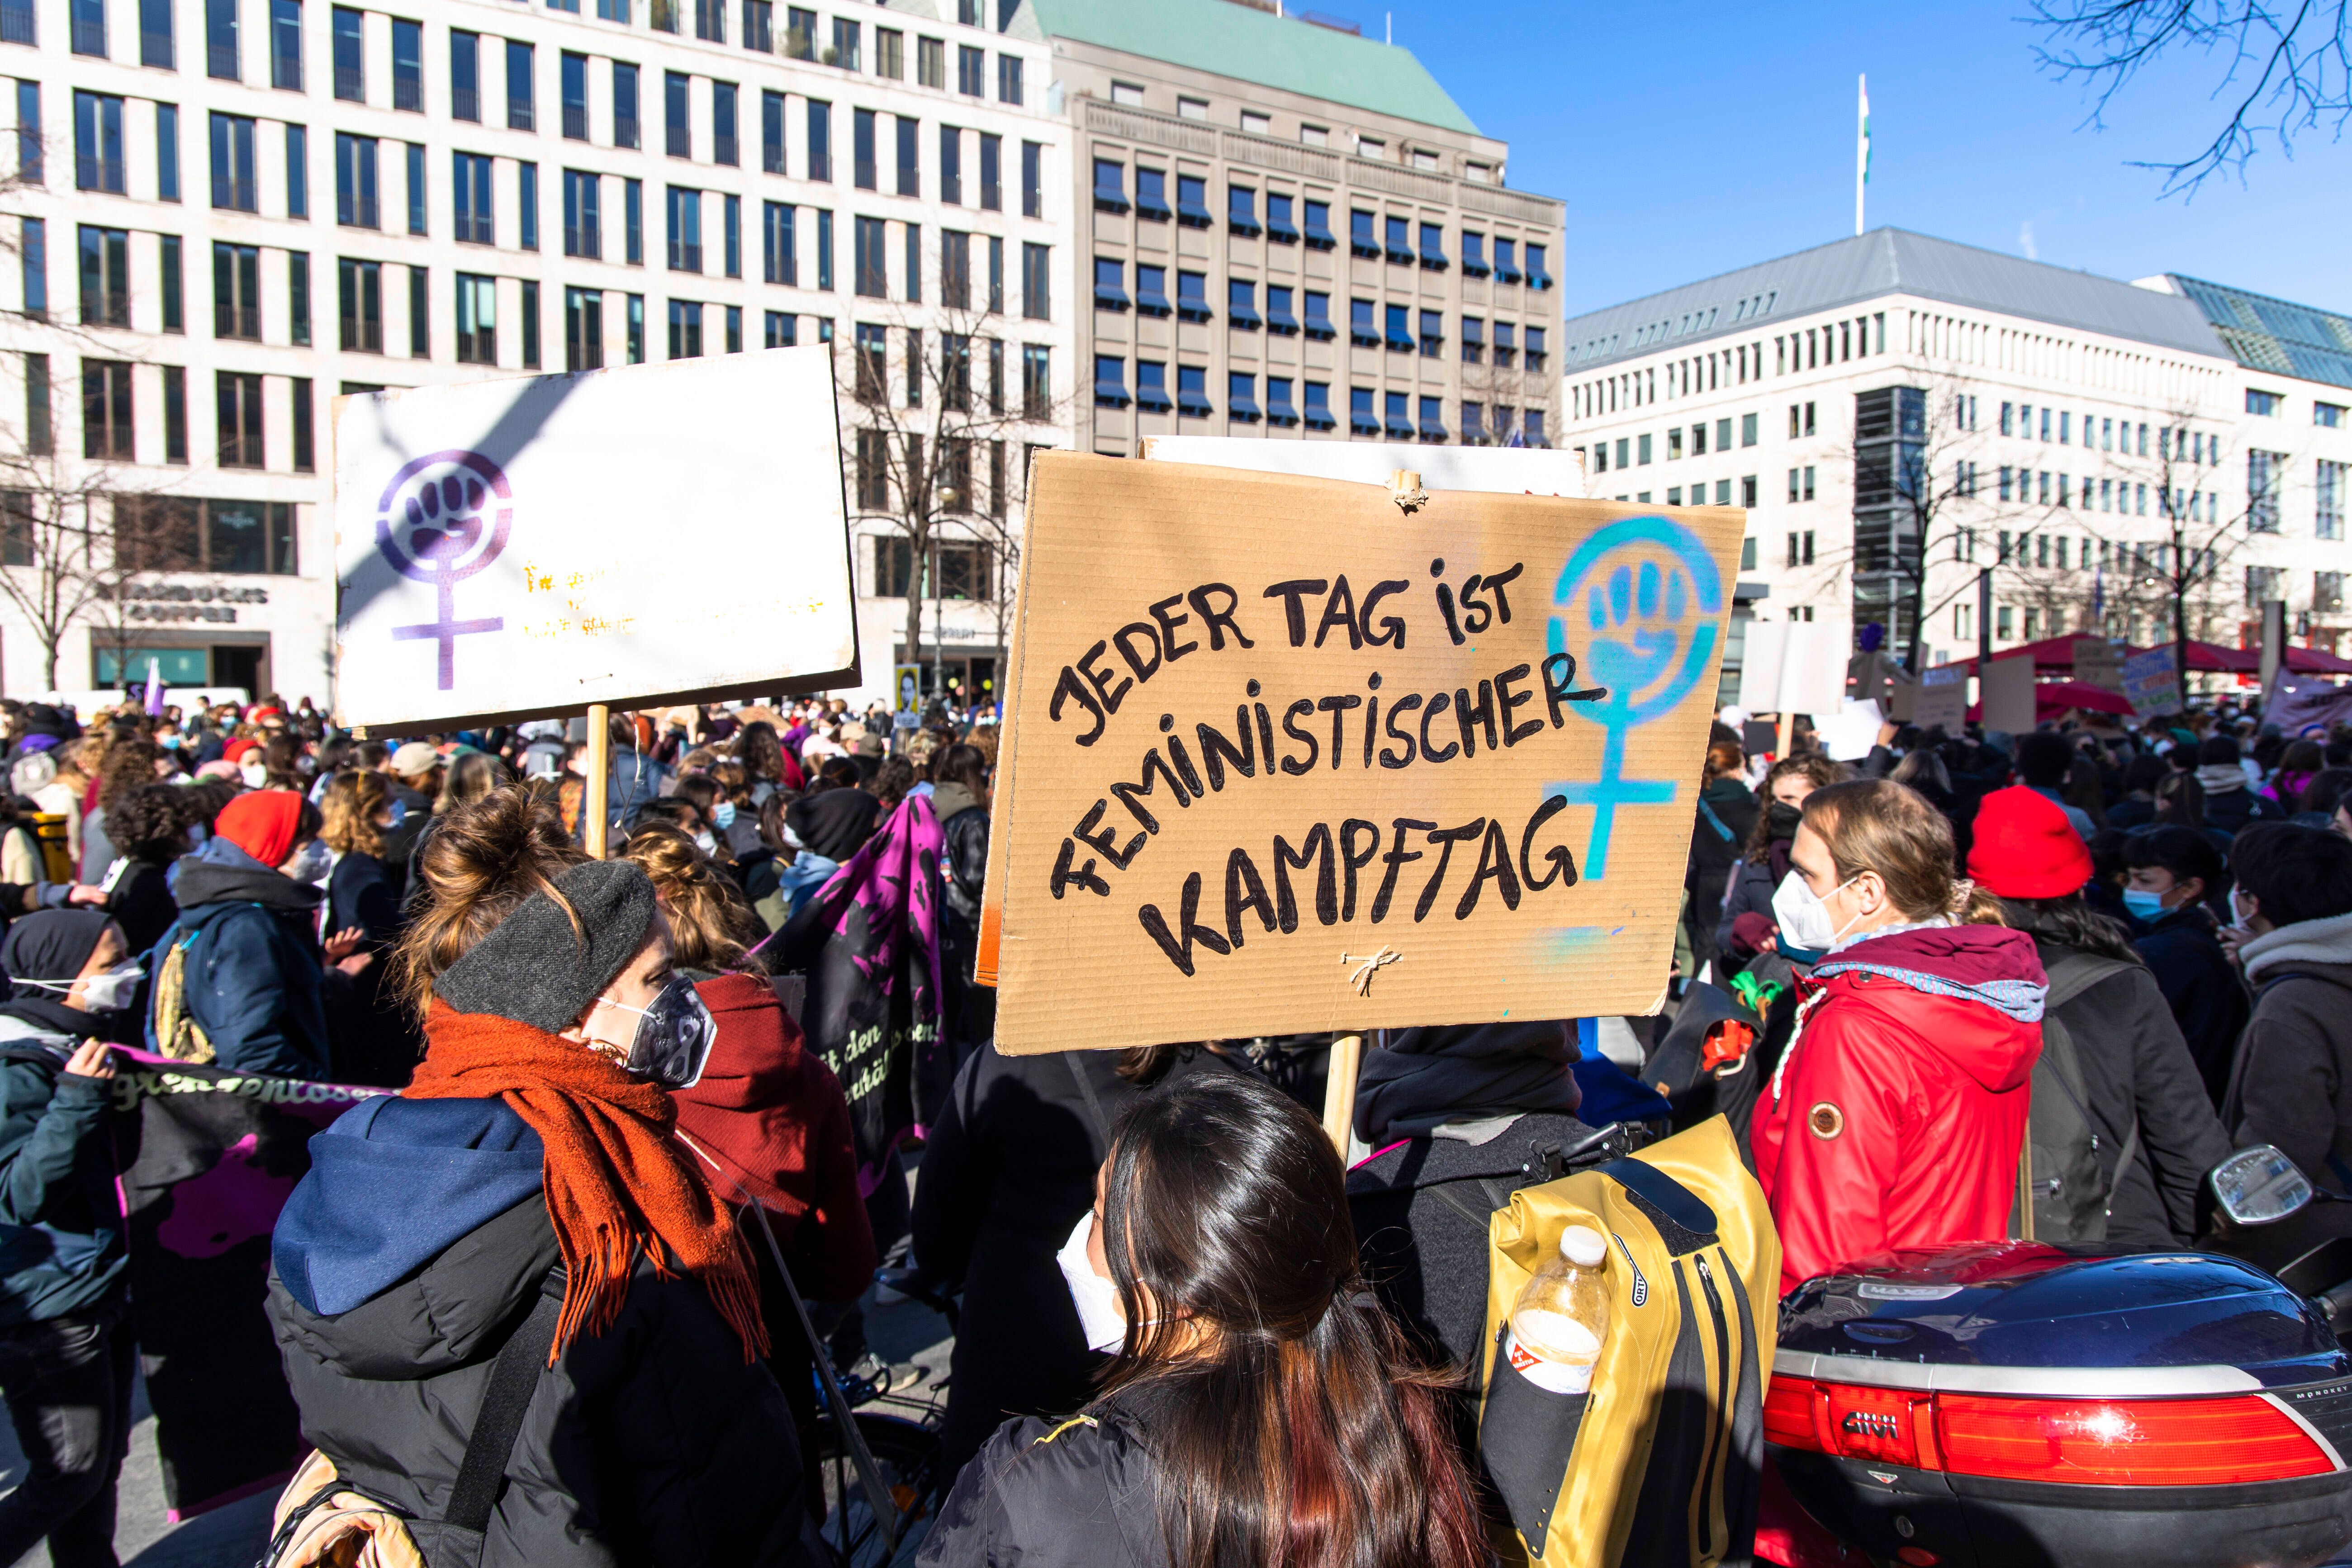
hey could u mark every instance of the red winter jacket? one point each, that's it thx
(1897, 1110)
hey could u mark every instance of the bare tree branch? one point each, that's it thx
(2288, 71)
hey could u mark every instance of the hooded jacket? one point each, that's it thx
(62, 1244)
(773, 1116)
(1895, 1114)
(401, 1261)
(254, 977)
(2200, 985)
(2293, 1082)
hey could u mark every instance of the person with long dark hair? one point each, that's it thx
(1744, 925)
(1263, 1409)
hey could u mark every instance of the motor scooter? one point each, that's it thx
(2013, 1405)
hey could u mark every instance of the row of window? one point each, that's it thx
(1258, 122)
(2106, 434)
(866, 166)
(99, 163)
(2332, 416)
(1372, 236)
(969, 370)
(1370, 324)
(1370, 412)
(1632, 451)
(870, 251)
(224, 22)
(109, 430)
(1737, 364)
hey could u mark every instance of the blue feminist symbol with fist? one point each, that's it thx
(1646, 602)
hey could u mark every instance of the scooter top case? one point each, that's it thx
(2015, 1404)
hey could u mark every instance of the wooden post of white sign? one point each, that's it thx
(600, 780)
(1340, 1090)
(1786, 735)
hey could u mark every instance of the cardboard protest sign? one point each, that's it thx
(524, 547)
(2152, 681)
(2098, 662)
(2005, 694)
(1284, 755)
(1942, 700)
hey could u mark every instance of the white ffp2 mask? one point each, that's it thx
(1096, 1298)
(1804, 919)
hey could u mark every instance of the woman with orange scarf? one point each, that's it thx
(533, 1156)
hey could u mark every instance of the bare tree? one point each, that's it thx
(943, 415)
(2285, 69)
(75, 538)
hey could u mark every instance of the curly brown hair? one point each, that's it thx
(481, 861)
(129, 764)
(150, 822)
(711, 924)
(349, 808)
(1814, 765)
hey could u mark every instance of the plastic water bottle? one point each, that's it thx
(1561, 1316)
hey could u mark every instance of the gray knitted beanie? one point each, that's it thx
(536, 968)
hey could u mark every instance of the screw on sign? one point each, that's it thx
(438, 524)
(1648, 599)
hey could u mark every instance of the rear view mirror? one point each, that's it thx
(2259, 1186)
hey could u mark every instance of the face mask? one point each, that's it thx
(255, 774)
(1780, 819)
(2143, 904)
(108, 992)
(310, 862)
(722, 816)
(1096, 1298)
(705, 842)
(1803, 920)
(2238, 917)
(673, 1035)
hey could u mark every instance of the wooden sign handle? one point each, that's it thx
(1339, 1091)
(600, 780)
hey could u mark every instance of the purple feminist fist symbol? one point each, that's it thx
(434, 525)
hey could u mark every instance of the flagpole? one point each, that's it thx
(1861, 147)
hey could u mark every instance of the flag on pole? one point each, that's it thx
(154, 688)
(1860, 149)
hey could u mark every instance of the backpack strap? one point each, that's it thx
(2076, 973)
(514, 1378)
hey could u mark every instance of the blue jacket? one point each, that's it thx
(2201, 986)
(60, 1232)
(253, 970)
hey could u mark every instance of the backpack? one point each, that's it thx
(322, 1523)
(177, 1033)
(2059, 1165)
(1660, 1464)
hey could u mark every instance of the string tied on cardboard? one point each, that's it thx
(1369, 965)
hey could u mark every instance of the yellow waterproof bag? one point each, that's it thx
(1660, 1463)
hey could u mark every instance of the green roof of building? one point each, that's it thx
(1256, 46)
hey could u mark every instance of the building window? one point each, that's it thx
(1318, 415)
(910, 162)
(782, 330)
(582, 227)
(1036, 282)
(685, 330)
(239, 403)
(415, 188)
(173, 285)
(1008, 79)
(1036, 381)
(825, 266)
(950, 164)
(730, 235)
(867, 258)
(2331, 414)
(98, 143)
(677, 115)
(1399, 332)
(86, 24)
(633, 223)
(635, 328)
(930, 62)
(408, 66)
(106, 429)
(574, 91)
(236, 291)
(105, 276)
(298, 172)
(780, 261)
(477, 320)
(971, 71)
(2329, 481)
(1241, 211)
(771, 132)
(235, 188)
(464, 75)
(522, 100)
(685, 230)
(470, 191)
(298, 298)
(2264, 472)
(627, 124)
(526, 206)
(175, 414)
(355, 181)
(724, 146)
(360, 299)
(820, 140)
(1032, 179)
(420, 314)
(584, 329)
(2262, 402)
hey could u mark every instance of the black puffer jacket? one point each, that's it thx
(1081, 1493)
(652, 1443)
(964, 822)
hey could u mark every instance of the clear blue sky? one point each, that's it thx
(1688, 139)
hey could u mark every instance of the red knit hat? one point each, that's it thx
(262, 823)
(236, 749)
(2026, 848)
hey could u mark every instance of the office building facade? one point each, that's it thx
(1901, 413)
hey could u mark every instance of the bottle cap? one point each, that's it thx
(1583, 1246)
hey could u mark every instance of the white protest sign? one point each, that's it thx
(658, 534)
(2152, 682)
(2005, 694)
(1794, 666)
(1508, 470)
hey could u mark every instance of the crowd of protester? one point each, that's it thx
(1189, 1331)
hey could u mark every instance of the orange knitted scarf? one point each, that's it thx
(616, 1181)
